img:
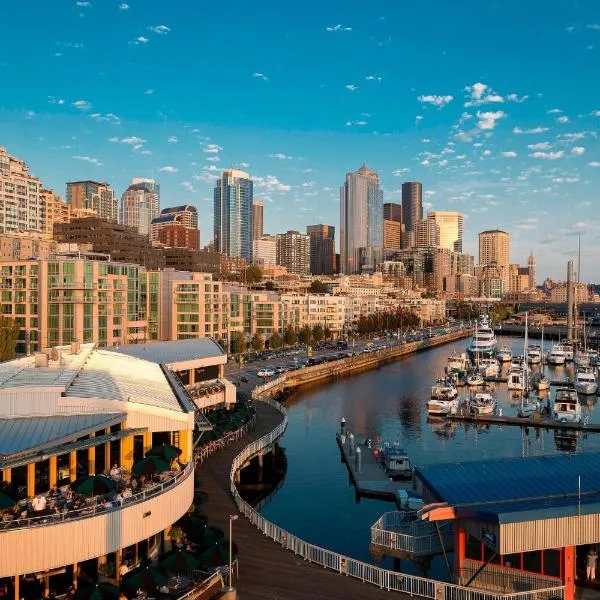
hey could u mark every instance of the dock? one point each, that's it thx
(541, 422)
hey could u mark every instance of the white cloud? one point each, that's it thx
(29, 115)
(548, 155)
(531, 223)
(595, 113)
(212, 148)
(172, 139)
(281, 156)
(516, 98)
(88, 159)
(419, 118)
(374, 78)
(509, 154)
(563, 119)
(83, 4)
(140, 40)
(487, 152)
(351, 87)
(260, 76)
(439, 101)
(211, 168)
(565, 179)
(481, 93)
(131, 140)
(107, 118)
(205, 177)
(214, 158)
(535, 130)
(309, 184)
(160, 29)
(594, 26)
(487, 120)
(169, 169)
(356, 123)
(338, 27)
(540, 146)
(53, 100)
(82, 104)
(149, 92)
(594, 163)
(244, 165)
(572, 137)
(123, 6)
(578, 150)
(554, 111)
(187, 185)
(270, 183)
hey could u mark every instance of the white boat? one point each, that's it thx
(482, 403)
(583, 359)
(489, 367)
(516, 378)
(594, 357)
(541, 383)
(534, 355)
(475, 378)
(529, 406)
(556, 355)
(484, 341)
(504, 354)
(585, 381)
(568, 350)
(566, 406)
(458, 362)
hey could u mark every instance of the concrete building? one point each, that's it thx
(361, 221)
(427, 234)
(185, 215)
(494, 248)
(174, 235)
(233, 212)
(25, 246)
(412, 204)
(392, 212)
(21, 201)
(558, 292)
(531, 263)
(264, 251)
(322, 249)
(54, 210)
(154, 188)
(451, 229)
(315, 309)
(93, 195)
(392, 231)
(258, 209)
(293, 252)
(137, 208)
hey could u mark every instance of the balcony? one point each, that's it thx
(71, 285)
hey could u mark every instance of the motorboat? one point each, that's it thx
(444, 397)
(474, 378)
(534, 355)
(556, 356)
(482, 403)
(483, 343)
(541, 383)
(504, 354)
(566, 406)
(458, 362)
(585, 381)
(516, 378)
(396, 463)
(442, 406)
(489, 367)
(569, 350)
(594, 357)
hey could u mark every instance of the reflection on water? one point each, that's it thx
(316, 500)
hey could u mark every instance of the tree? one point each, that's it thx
(9, 333)
(270, 285)
(289, 336)
(317, 332)
(275, 341)
(252, 274)
(327, 332)
(304, 335)
(257, 342)
(318, 287)
(238, 342)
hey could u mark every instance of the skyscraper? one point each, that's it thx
(392, 232)
(257, 219)
(233, 214)
(412, 204)
(93, 195)
(392, 212)
(152, 187)
(451, 229)
(293, 252)
(322, 249)
(361, 221)
(427, 234)
(137, 205)
(494, 248)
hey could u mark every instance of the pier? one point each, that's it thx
(541, 422)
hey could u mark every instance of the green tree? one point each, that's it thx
(257, 342)
(270, 285)
(289, 336)
(318, 287)
(9, 333)
(327, 332)
(275, 341)
(238, 342)
(317, 332)
(304, 335)
(252, 274)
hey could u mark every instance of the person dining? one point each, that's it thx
(115, 472)
(38, 504)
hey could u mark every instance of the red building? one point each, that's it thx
(178, 236)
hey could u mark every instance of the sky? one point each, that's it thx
(493, 105)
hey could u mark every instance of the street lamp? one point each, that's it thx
(231, 589)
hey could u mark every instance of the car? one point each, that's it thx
(266, 373)
(280, 369)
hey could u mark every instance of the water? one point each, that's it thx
(316, 501)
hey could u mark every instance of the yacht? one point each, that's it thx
(489, 367)
(396, 463)
(504, 354)
(484, 341)
(529, 406)
(458, 362)
(566, 406)
(482, 403)
(517, 377)
(541, 383)
(534, 355)
(474, 378)
(583, 359)
(566, 348)
(585, 381)
(556, 355)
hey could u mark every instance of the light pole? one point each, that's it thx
(231, 590)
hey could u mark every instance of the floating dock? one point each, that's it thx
(541, 422)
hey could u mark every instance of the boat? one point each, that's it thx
(483, 343)
(566, 406)
(566, 439)
(482, 403)
(594, 358)
(444, 397)
(583, 359)
(585, 381)
(458, 362)
(504, 354)
(489, 367)
(516, 378)
(568, 350)
(534, 355)
(541, 383)
(474, 378)
(396, 462)
(556, 356)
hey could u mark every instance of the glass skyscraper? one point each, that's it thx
(233, 214)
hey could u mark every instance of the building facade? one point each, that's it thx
(322, 249)
(412, 204)
(177, 236)
(185, 215)
(494, 248)
(54, 210)
(137, 208)
(25, 246)
(264, 251)
(392, 232)
(361, 221)
(152, 187)
(93, 195)
(293, 252)
(392, 212)
(451, 229)
(427, 233)
(258, 209)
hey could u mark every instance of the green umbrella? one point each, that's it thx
(93, 485)
(100, 591)
(149, 466)
(179, 561)
(148, 579)
(200, 497)
(6, 501)
(211, 536)
(217, 554)
(166, 451)
(193, 525)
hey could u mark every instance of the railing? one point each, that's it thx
(92, 510)
(201, 454)
(213, 581)
(385, 579)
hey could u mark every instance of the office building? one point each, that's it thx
(258, 208)
(154, 188)
(451, 229)
(54, 210)
(177, 236)
(137, 207)
(264, 251)
(25, 246)
(186, 218)
(412, 204)
(233, 196)
(361, 221)
(293, 252)
(93, 195)
(494, 248)
(21, 202)
(322, 249)
(392, 212)
(427, 233)
(392, 231)
(531, 263)
(185, 215)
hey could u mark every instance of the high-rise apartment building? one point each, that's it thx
(322, 249)
(54, 210)
(361, 221)
(293, 252)
(494, 248)
(137, 207)
(184, 217)
(392, 231)
(427, 233)
(392, 212)
(93, 195)
(451, 229)
(264, 251)
(233, 198)
(154, 188)
(258, 209)
(21, 203)
(412, 204)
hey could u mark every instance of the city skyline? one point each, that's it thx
(501, 140)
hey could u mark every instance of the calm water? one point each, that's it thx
(316, 501)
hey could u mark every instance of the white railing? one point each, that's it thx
(385, 579)
(213, 581)
(201, 454)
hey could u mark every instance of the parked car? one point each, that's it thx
(266, 373)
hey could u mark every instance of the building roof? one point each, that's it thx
(170, 218)
(518, 489)
(167, 353)
(182, 207)
(27, 434)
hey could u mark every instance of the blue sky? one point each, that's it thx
(493, 105)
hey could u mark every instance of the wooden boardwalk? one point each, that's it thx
(523, 422)
(266, 570)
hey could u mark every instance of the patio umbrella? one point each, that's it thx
(200, 497)
(193, 525)
(93, 485)
(217, 554)
(99, 591)
(149, 466)
(211, 536)
(6, 501)
(179, 561)
(166, 451)
(148, 579)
